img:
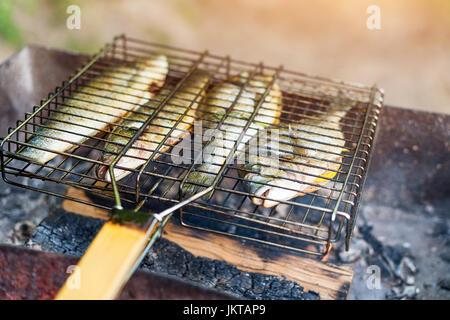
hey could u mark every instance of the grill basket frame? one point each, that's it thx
(295, 230)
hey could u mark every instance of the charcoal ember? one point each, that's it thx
(409, 280)
(282, 288)
(440, 229)
(310, 295)
(69, 233)
(225, 272)
(445, 256)
(444, 283)
(397, 253)
(366, 233)
(22, 231)
(197, 270)
(64, 232)
(403, 293)
(447, 241)
(259, 284)
(241, 282)
(407, 265)
(410, 292)
(298, 290)
(219, 274)
(398, 268)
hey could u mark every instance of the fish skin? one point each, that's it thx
(296, 162)
(218, 100)
(194, 87)
(123, 89)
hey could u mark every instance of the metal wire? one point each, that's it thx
(309, 223)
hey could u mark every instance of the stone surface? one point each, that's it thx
(410, 167)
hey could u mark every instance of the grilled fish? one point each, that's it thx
(188, 95)
(218, 100)
(102, 101)
(306, 155)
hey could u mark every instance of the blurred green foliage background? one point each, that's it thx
(408, 57)
(9, 29)
(13, 14)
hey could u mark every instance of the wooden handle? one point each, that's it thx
(107, 264)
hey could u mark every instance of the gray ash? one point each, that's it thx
(21, 208)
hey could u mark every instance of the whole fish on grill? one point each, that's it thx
(187, 96)
(102, 101)
(300, 159)
(221, 98)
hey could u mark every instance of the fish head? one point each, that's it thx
(119, 174)
(102, 170)
(256, 183)
(269, 191)
(270, 185)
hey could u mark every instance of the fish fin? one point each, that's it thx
(327, 176)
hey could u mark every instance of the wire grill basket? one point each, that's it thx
(309, 223)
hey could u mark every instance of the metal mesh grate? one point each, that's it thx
(308, 223)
